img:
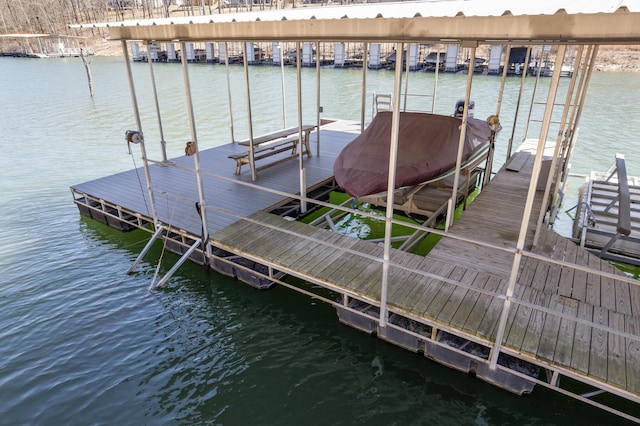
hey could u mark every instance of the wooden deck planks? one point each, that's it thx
(461, 315)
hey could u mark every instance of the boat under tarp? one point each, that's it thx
(427, 148)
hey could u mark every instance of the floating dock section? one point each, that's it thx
(572, 314)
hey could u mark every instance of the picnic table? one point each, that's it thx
(271, 144)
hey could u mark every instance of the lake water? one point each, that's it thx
(83, 343)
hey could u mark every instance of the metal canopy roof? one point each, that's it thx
(549, 21)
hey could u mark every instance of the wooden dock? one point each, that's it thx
(568, 321)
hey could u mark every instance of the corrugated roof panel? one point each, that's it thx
(438, 8)
(541, 21)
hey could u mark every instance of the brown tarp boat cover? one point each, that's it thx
(427, 148)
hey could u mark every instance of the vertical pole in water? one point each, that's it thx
(252, 163)
(226, 63)
(196, 157)
(463, 133)
(393, 160)
(303, 177)
(136, 114)
(364, 87)
(284, 101)
(163, 143)
(318, 106)
(528, 207)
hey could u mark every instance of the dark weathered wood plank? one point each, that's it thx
(474, 322)
(521, 317)
(566, 333)
(616, 366)
(599, 351)
(531, 340)
(582, 339)
(471, 297)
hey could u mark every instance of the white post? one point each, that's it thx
(209, 52)
(303, 176)
(528, 207)
(338, 55)
(318, 106)
(374, 56)
(451, 61)
(136, 113)
(463, 133)
(171, 53)
(252, 163)
(393, 160)
(364, 88)
(196, 157)
(222, 49)
(189, 51)
(163, 143)
(307, 54)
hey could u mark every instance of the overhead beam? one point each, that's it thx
(608, 28)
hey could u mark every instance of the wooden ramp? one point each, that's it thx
(562, 343)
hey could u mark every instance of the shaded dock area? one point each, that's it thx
(565, 319)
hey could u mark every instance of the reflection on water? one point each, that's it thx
(82, 342)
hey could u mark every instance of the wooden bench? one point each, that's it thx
(270, 144)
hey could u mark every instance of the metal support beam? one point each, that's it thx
(524, 225)
(175, 267)
(146, 248)
(163, 143)
(463, 133)
(393, 160)
(143, 150)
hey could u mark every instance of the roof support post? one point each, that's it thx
(303, 176)
(283, 92)
(553, 171)
(393, 160)
(226, 66)
(245, 61)
(435, 84)
(489, 164)
(405, 63)
(364, 85)
(463, 134)
(163, 143)
(528, 207)
(136, 114)
(318, 106)
(196, 156)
